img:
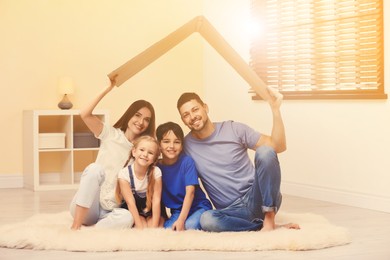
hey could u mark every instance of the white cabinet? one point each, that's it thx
(57, 146)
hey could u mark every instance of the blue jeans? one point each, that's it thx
(192, 221)
(247, 212)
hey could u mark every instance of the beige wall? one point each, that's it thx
(337, 150)
(42, 40)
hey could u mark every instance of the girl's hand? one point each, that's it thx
(141, 224)
(138, 226)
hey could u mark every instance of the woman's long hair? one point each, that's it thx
(122, 123)
(150, 172)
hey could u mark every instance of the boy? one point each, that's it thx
(181, 191)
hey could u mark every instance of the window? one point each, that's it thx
(320, 49)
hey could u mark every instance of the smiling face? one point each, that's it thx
(139, 122)
(171, 147)
(194, 115)
(145, 153)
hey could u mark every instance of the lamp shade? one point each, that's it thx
(65, 85)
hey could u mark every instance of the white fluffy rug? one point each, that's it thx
(51, 231)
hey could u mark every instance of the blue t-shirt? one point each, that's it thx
(223, 162)
(175, 178)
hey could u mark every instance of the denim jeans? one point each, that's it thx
(247, 212)
(192, 221)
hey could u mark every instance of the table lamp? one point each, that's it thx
(65, 87)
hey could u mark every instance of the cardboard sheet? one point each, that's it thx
(201, 25)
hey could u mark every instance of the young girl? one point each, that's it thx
(181, 191)
(94, 202)
(139, 188)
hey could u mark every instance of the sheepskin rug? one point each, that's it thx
(51, 232)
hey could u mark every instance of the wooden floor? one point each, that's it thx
(370, 231)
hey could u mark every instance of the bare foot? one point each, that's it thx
(74, 228)
(268, 222)
(266, 229)
(289, 226)
(79, 216)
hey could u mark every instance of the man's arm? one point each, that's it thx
(277, 140)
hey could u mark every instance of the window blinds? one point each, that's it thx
(320, 48)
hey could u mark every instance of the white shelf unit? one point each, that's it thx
(55, 168)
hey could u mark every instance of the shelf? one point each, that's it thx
(56, 168)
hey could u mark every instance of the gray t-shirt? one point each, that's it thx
(222, 160)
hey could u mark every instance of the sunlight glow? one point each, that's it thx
(254, 28)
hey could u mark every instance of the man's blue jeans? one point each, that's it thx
(247, 212)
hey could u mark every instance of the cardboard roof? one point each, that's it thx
(201, 25)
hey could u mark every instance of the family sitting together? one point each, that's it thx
(131, 185)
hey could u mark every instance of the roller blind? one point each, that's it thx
(320, 48)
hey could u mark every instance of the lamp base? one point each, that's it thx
(65, 103)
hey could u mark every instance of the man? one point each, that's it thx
(246, 197)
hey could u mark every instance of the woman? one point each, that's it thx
(94, 202)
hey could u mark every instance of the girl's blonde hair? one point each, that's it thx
(150, 172)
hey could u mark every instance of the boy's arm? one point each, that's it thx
(187, 203)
